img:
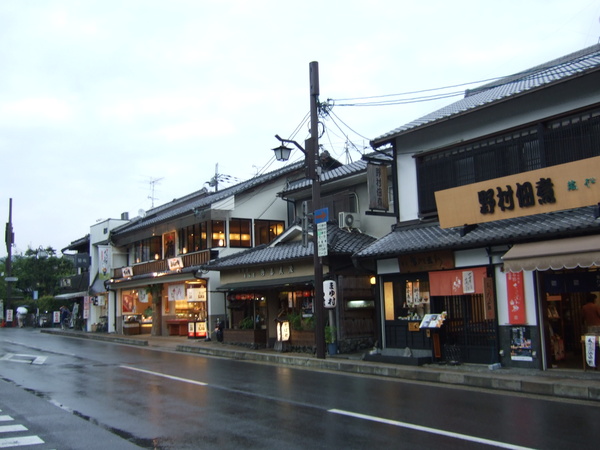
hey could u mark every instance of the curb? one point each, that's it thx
(567, 388)
(571, 389)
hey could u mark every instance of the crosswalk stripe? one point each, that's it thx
(19, 441)
(12, 428)
(5, 418)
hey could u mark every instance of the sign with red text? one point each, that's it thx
(516, 298)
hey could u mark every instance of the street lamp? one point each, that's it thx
(311, 153)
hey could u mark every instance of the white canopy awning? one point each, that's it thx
(71, 295)
(583, 251)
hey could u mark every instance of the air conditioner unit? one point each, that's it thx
(348, 220)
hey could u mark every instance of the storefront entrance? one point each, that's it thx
(565, 293)
(467, 335)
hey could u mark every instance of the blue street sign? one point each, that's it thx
(322, 215)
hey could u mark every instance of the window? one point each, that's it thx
(345, 201)
(239, 233)
(192, 238)
(218, 233)
(546, 144)
(267, 230)
(147, 249)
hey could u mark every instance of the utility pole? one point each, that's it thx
(9, 238)
(314, 167)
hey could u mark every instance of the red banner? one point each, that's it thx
(457, 282)
(516, 298)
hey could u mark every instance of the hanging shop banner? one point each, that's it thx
(516, 298)
(143, 296)
(457, 282)
(489, 298)
(590, 349)
(175, 263)
(196, 294)
(86, 307)
(330, 293)
(104, 265)
(377, 183)
(176, 292)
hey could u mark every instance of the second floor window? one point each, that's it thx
(267, 230)
(239, 233)
(148, 249)
(218, 233)
(193, 238)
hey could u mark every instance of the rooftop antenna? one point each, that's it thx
(347, 152)
(214, 181)
(153, 182)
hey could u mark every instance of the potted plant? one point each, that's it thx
(331, 339)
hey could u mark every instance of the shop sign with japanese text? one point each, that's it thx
(556, 188)
(516, 298)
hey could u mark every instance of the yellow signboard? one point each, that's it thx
(556, 188)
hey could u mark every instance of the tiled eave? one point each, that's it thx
(430, 237)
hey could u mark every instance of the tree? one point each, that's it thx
(37, 270)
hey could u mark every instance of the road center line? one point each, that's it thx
(163, 375)
(411, 426)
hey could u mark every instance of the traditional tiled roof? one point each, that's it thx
(197, 201)
(340, 242)
(541, 76)
(345, 171)
(430, 237)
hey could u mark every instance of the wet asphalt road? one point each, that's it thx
(168, 400)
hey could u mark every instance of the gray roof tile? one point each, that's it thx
(340, 242)
(553, 71)
(197, 200)
(429, 237)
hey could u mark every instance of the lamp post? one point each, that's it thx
(311, 153)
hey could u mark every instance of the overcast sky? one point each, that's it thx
(98, 99)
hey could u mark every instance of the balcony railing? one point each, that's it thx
(160, 265)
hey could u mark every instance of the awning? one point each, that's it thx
(249, 285)
(583, 251)
(71, 295)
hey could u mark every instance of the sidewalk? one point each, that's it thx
(572, 384)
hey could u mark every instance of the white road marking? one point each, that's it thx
(11, 428)
(20, 441)
(411, 426)
(27, 359)
(16, 441)
(163, 375)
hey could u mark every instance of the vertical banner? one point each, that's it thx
(330, 293)
(590, 349)
(488, 298)
(86, 307)
(104, 263)
(176, 292)
(516, 298)
(377, 184)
